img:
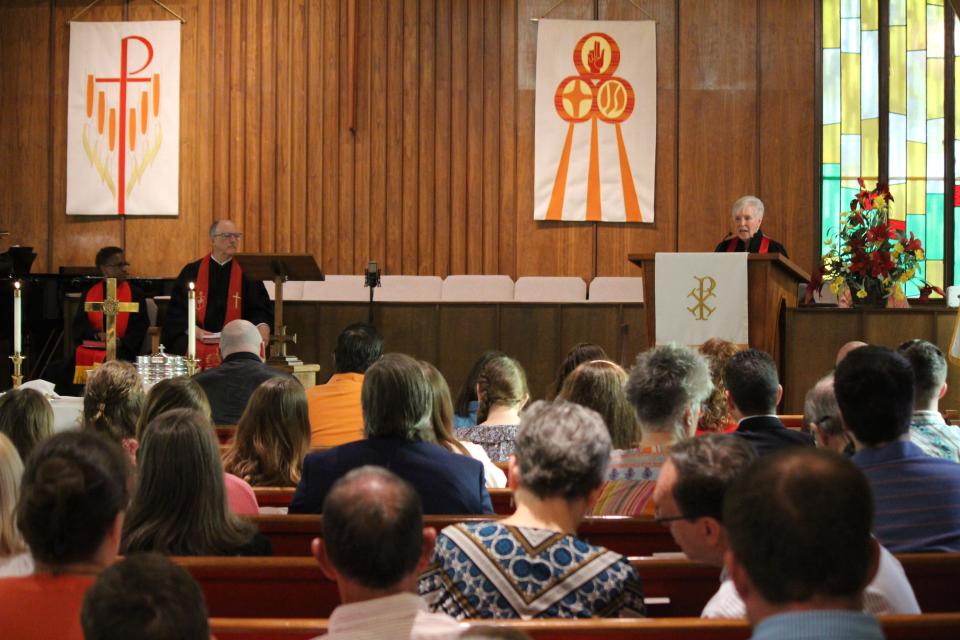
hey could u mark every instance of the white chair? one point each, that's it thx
(545, 289)
(409, 289)
(477, 289)
(611, 289)
(292, 290)
(336, 289)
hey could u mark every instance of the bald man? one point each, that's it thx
(230, 385)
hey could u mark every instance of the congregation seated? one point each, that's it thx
(715, 415)
(441, 420)
(147, 597)
(531, 564)
(501, 395)
(916, 497)
(396, 402)
(465, 406)
(15, 560)
(180, 505)
(26, 417)
(374, 546)
(753, 393)
(73, 497)
(112, 402)
(801, 552)
(598, 385)
(821, 416)
(690, 497)
(185, 393)
(928, 429)
(230, 385)
(335, 414)
(273, 435)
(666, 387)
(576, 356)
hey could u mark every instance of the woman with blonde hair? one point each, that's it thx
(26, 417)
(14, 558)
(441, 419)
(598, 385)
(185, 393)
(273, 435)
(180, 506)
(715, 417)
(501, 393)
(112, 401)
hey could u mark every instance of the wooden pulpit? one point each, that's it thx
(772, 281)
(281, 267)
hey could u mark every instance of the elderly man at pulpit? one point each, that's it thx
(89, 327)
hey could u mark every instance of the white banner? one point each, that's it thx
(123, 118)
(701, 296)
(596, 121)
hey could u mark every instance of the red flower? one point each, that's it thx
(912, 244)
(878, 232)
(880, 264)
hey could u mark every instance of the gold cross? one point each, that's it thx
(110, 307)
(236, 301)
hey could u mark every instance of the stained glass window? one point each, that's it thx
(915, 158)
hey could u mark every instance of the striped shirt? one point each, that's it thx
(631, 478)
(818, 625)
(916, 497)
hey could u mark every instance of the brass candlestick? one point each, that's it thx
(17, 374)
(192, 364)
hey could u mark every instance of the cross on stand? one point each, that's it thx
(110, 307)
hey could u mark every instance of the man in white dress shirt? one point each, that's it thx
(689, 497)
(374, 546)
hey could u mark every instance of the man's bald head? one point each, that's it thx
(240, 336)
(373, 527)
(847, 348)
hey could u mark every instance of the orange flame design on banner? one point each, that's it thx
(594, 94)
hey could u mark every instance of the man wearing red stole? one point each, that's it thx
(746, 218)
(223, 293)
(89, 327)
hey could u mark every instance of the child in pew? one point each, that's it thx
(531, 564)
(502, 394)
(180, 506)
(273, 435)
(71, 510)
(147, 597)
(15, 560)
(598, 385)
(185, 393)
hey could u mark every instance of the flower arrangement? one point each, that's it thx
(871, 258)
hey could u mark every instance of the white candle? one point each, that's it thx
(16, 317)
(192, 322)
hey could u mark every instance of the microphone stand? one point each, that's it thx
(371, 279)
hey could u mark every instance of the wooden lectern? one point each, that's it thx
(772, 282)
(281, 267)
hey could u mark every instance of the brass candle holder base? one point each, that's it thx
(192, 364)
(17, 373)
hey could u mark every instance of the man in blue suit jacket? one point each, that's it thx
(753, 393)
(397, 400)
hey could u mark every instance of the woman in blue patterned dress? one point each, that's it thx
(531, 564)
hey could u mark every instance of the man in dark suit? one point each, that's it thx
(753, 393)
(230, 385)
(397, 400)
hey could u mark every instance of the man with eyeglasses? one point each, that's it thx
(689, 499)
(89, 326)
(223, 294)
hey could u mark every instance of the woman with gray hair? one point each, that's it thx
(531, 564)
(667, 386)
(745, 218)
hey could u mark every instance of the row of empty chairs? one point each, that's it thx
(466, 288)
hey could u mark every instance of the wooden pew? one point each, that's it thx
(933, 577)
(297, 588)
(291, 534)
(226, 432)
(936, 626)
(502, 499)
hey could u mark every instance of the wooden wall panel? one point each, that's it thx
(437, 178)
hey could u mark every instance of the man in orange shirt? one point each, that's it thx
(335, 414)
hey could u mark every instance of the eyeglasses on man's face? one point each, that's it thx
(229, 236)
